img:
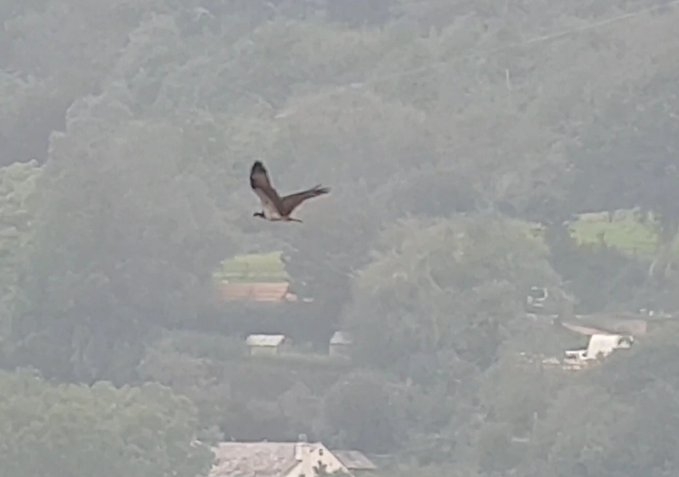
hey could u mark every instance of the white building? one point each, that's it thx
(340, 344)
(284, 459)
(266, 345)
(599, 346)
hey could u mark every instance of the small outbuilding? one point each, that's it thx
(266, 345)
(340, 344)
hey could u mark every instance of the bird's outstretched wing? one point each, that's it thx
(290, 202)
(259, 177)
(260, 183)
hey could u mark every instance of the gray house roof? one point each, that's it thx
(341, 338)
(354, 460)
(250, 459)
(271, 459)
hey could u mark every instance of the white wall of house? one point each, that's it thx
(603, 345)
(600, 345)
(309, 455)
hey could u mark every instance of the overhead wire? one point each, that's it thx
(480, 53)
(594, 25)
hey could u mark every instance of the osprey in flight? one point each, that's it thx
(274, 207)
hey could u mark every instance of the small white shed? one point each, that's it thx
(266, 345)
(340, 344)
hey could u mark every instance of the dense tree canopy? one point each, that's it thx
(77, 430)
(446, 285)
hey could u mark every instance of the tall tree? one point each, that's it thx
(437, 285)
(18, 203)
(368, 147)
(126, 240)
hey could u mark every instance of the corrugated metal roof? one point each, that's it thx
(582, 329)
(615, 323)
(275, 459)
(354, 460)
(256, 291)
(265, 340)
(250, 459)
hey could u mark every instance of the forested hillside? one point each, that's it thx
(463, 142)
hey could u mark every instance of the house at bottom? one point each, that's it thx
(285, 459)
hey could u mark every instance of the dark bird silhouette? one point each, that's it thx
(274, 207)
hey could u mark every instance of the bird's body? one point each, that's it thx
(274, 207)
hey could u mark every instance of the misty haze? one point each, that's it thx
(481, 273)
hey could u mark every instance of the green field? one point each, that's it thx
(625, 233)
(266, 267)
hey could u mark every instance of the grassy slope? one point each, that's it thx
(625, 233)
(266, 267)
